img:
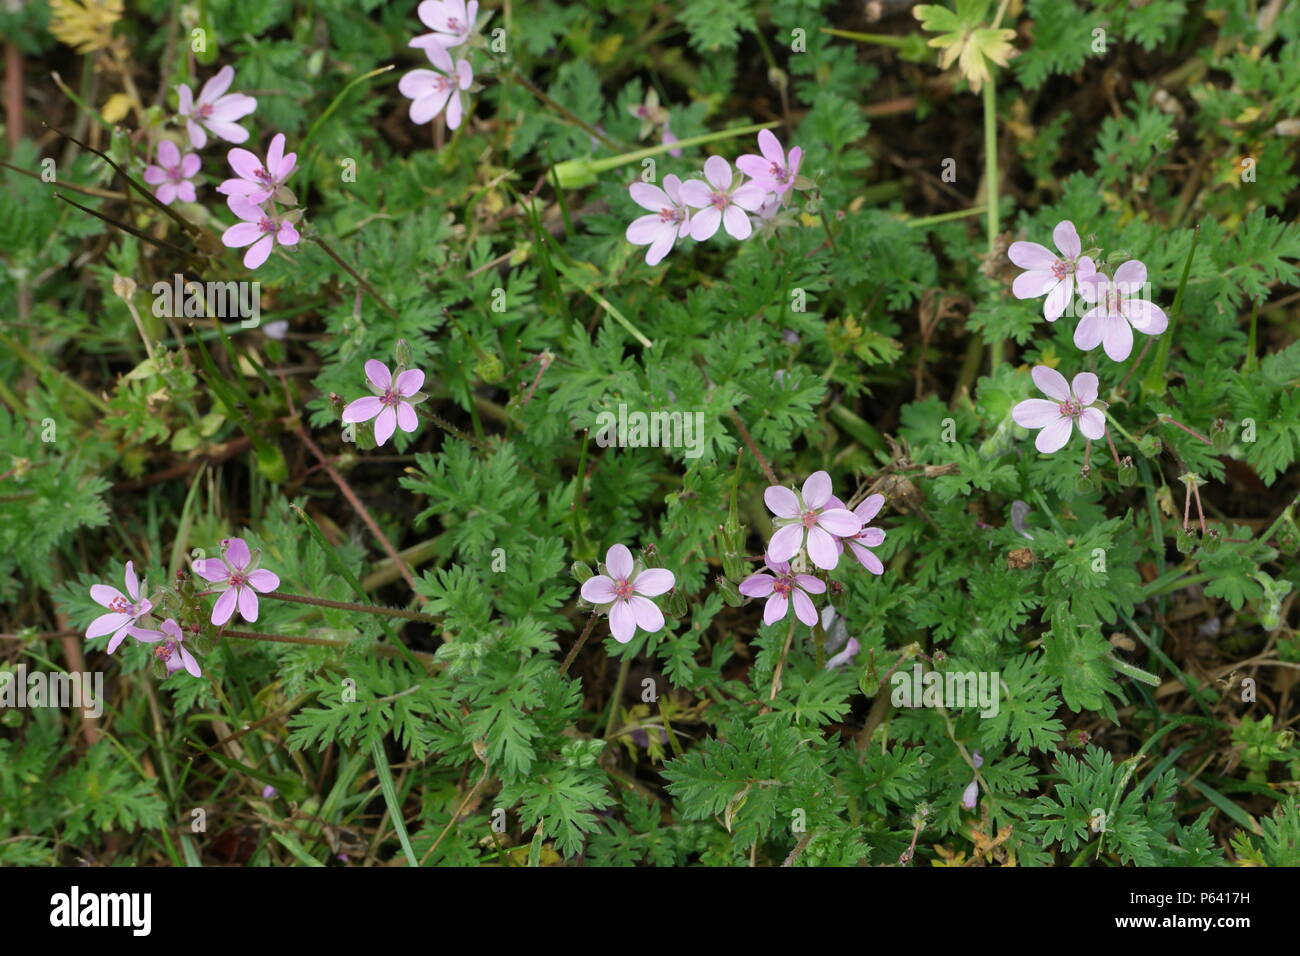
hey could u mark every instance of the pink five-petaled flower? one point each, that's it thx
(450, 20)
(123, 612)
(430, 90)
(391, 405)
(171, 646)
(774, 171)
(781, 588)
(809, 519)
(257, 181)
(626, 596)
(721, 201)
(215, 111)
(860, 544)
(1118, 309)
(1070, 403)
(238, 578)
(669, 221)
(172, 173)
(260, 231)
(1050, 274)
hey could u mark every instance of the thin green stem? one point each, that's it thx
(349, 606)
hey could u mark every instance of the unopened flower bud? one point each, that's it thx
(730, 593)
(402, 354)
(581, 572)
(1077, 738)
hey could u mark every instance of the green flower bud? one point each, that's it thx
(580, 571)
(1184, 540)
(1211, 540)
(730, 593)
(675, 604)
(488, 369)
(402, 354)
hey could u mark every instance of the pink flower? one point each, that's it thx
(669, 138)
(669, 221)
(970, 796)
(837, 634)
(215, 111)
(719, 202)
(429, 90)
(238, 578)
(260, 230)
(171, 648)
(259, 181)
(860, 544)
(172, 173)
(122, 613)
(809, 520)
(773, 171)
(781, 588)
(451, 21)
(1070, 403)
(1049, 274)
(625, 595)
(391, 406)
(1118, 310)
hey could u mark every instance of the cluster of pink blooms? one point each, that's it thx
(1118, 308)
(697, 207)
(623, 590)
(447, 85)
(235, 576)
(393, 404)
(815, 524)
(256, 195)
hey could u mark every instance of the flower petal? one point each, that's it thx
(104, 595)
(1117, 339)
(757, 585)
(653, 582)
(1032, 284)
(378, 374)
(648, 616)
(363, 409)
(618, 562)
(817, 490)
(225, 606)
(107, 624)
(775, 608)
(803, 608)
(1066, 238)
(821, 548)
(598, 589)
(385, 425)
(1036, 413)
(410, 382)
(649, 196)
(622, 622)
(1085, 387)
(1092, 423)
(785, 544)
(781, 501)
(248, 603)
(705, 223)
(737, 223)
(866, 558)
(869, 507)
(1031, 255)
(1054, 436)
(1051, 382)
(840, 522)
(718, 172)
(237, 554)
(264, 580)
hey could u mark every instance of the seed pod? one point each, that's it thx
(1184, 541)
(402, 354)
(675, 605)
(1220, 435)
(1150, 445)
(1211, 540)
(581, 572)
(1127, 471)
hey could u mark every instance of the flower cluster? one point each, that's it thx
(235, 576)
(256, 194)
(1118, 308)
(813, 523)
(447, 85)
(623, 591)
(760, 185)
